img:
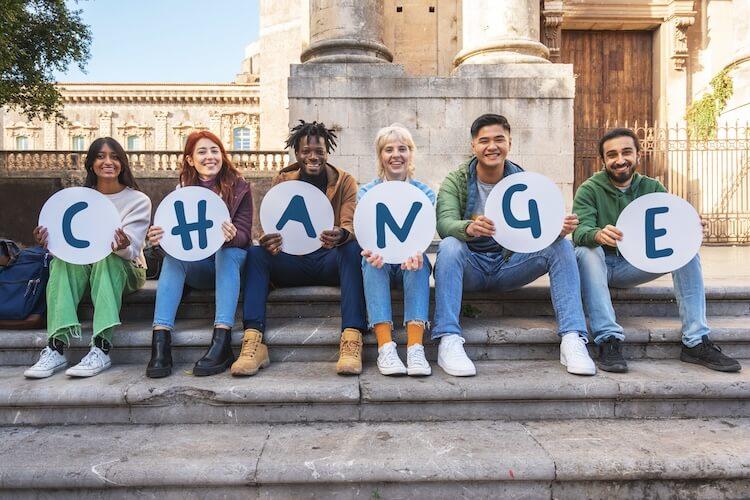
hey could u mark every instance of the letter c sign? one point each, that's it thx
(81, 224)
(661, 232)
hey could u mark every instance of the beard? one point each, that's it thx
(621, 177)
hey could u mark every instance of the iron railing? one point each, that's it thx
(713, 175)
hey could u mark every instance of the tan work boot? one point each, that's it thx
(350, 353)
(253, 356)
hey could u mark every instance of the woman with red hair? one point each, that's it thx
(205, 164)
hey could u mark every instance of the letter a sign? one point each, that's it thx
(299, 212)
(191, 218)
(81, 223)
(395, 220)
(661, 232)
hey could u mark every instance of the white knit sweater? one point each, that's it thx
(135, 213)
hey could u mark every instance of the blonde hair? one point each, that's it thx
(394, 132)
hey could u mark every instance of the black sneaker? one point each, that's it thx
(610, 356)
(709, 355)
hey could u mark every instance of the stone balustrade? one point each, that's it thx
(143, 163)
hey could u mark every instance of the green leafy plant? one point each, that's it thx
(702, 116)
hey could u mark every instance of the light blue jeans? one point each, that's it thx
(599, 271)
(221, 271)
(457, 269)
(378, 282)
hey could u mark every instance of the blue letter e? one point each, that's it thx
(652, 233)
(297, 210)
(533, 221)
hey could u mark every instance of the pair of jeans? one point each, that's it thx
(416, 286)
(599, 271)
(221, 271)
(458, 268)
(338, 266)
(110, 279)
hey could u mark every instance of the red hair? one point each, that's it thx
(226, 177)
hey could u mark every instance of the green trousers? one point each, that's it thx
(110, 279)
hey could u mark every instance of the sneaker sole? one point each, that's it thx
(85, 374)
(458, 373)
(392, 371)
(239, 373)
(613, 368)
(418, 372)
(719, 368)
(44, 374)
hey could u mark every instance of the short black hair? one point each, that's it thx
(314, 129)
(489, 119)
(619, 132)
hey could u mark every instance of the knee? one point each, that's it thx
(233, 254)
(257, 254)
(451, 249)
(589, 257)
(350, 250)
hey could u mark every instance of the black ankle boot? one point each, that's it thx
(160, 364)
(219, 356)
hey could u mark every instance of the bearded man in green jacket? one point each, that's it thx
(598, 204)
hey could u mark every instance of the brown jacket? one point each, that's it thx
(341, 191)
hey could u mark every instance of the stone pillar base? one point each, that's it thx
(358, 99)
(518, 50)
(346, 50)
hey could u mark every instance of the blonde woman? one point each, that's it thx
(395, 150)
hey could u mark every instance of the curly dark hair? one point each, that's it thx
(314, 129)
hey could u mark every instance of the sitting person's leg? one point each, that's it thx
(342, 264)
(66, 285)
(416, 314)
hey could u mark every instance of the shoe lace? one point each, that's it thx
(92, 358)
(580, 345)
(45, 357)
(249, 347)
(350, 348)
(415, 355)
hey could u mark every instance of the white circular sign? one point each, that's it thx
(661, 232)
(395, 220)
(528, 212)
(191, 218)
(299, 212)
(81, 224)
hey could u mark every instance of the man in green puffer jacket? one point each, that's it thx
(598, 204)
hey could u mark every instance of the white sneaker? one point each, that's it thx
(416, 362)
(96, 361)
(388, 361)
(575, 356)
(50, 361)
(453, 359)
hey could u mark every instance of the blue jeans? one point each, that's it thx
(416, 285)
(339, 266)
(220, 271)
(599, 271)
(457, 269)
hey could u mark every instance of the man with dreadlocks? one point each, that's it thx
(336, 263)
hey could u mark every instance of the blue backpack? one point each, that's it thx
(23, 284)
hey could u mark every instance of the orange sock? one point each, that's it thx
(414, 333)
(383, 333)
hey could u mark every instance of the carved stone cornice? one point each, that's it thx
(160, 93)
(618, 15)
(680, 26)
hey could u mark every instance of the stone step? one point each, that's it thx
(312, 392)
(653, 299)
(701, 458)
(317, 339)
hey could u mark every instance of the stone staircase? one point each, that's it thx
(522, 428)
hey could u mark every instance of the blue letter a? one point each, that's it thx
(652, 233)
(67, 221)
(383, 216)
(297, 210)
(532, 223)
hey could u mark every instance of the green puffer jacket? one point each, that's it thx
(598, 203)
(451, 203)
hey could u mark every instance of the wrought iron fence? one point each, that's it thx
(713, 175)
(144, 163)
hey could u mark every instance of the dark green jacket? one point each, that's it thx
(598, 203)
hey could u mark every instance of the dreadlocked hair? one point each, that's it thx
(314, 129)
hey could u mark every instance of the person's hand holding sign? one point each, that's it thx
(229, 230)
(375, 260)
(413, 263)
(271, 242)
(481, 226)
(610, 235)
(154, 235)
(121, 241)
(331, 237)
(40, 236)
(569, 225)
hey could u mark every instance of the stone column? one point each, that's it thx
(105, 124)
(160, 130)
(501, 31)
(347, 31)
